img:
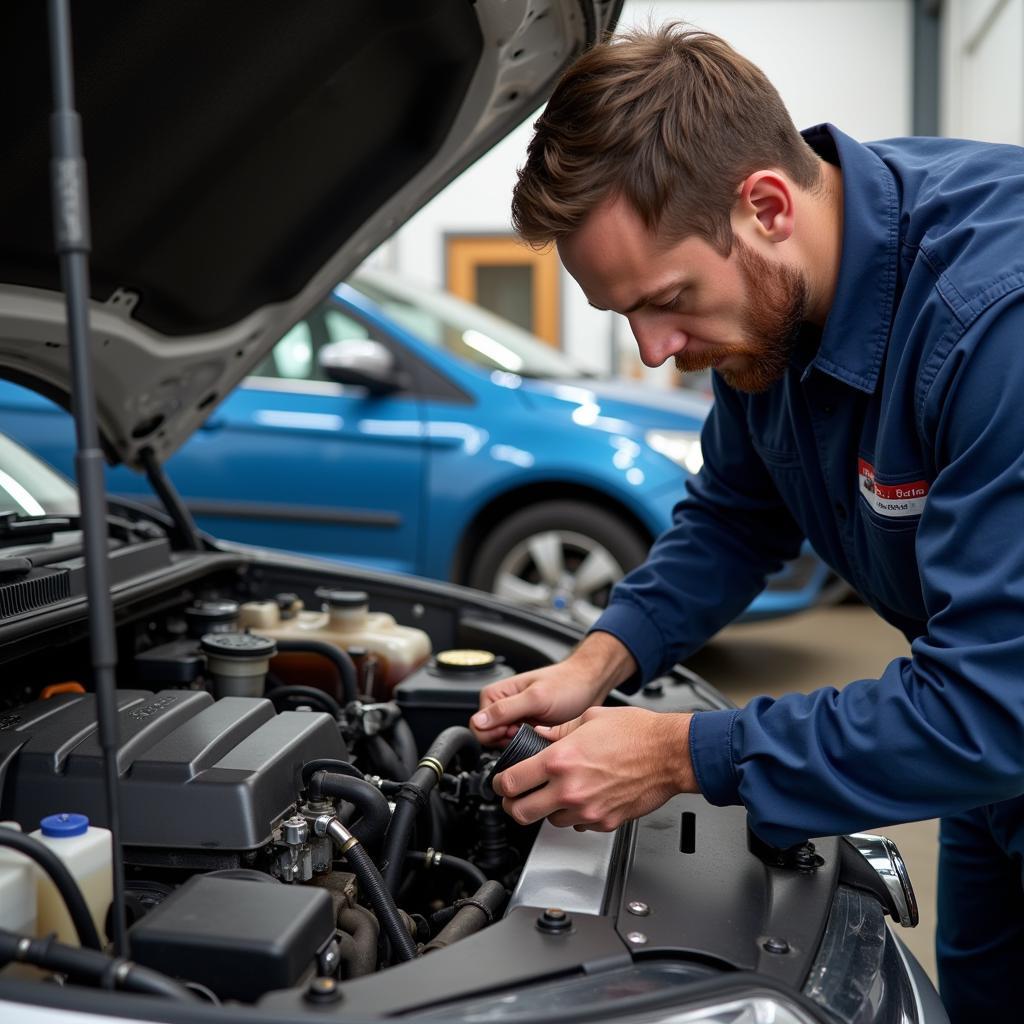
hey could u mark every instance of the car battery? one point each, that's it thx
(446, 691)
(239, 938)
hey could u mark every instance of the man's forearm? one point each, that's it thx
(607, 661)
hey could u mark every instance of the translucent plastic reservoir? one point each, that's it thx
(347, 622)
(86, 852)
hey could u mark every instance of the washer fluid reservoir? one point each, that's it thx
(347, 622)
(86, 852)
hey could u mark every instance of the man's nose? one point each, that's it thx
(656, 339)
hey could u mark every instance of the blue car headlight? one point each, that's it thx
(681, 446)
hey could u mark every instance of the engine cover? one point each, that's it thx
(195, 773)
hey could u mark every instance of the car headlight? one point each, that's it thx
(681, 446)
(646, 992)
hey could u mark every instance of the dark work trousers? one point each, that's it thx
(980, 939)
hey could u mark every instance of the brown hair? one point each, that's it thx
(672, 119)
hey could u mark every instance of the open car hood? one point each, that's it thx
(243, 157)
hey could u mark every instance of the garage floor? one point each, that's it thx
(826, 647)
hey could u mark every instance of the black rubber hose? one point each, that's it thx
(309, 694)
(341, 661)
(385, 760)
(415, 794)
(68, 888)
(361, 927)
(89, 964)
(371, 803)
(330, 764)
(446, 860)
(383, 903)
(473, 914)
(404, 743)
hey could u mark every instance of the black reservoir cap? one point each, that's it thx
(238, 645)
(210, 617)
(342, 598)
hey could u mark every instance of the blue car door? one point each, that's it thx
(294, 461)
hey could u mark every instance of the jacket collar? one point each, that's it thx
(856, 332)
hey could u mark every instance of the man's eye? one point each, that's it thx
(665, 306)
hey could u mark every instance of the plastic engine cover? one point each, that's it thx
(195, 774)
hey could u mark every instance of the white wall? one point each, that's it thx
(983, 70)
(845, 61)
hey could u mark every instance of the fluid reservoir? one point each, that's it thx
(17, 889)
(345, 621)
(86, 852)
(237, 663)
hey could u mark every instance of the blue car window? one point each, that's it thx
(342, 328)
(293, 354)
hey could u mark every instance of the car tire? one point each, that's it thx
(561, 557)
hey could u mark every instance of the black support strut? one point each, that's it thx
(71, 230)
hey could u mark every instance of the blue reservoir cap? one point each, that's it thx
(64, 826)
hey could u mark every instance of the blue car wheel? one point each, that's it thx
(562, 557)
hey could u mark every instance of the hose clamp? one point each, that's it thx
(433, 764)
(432, 858)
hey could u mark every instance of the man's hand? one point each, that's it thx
(555, 693)
(608, 766)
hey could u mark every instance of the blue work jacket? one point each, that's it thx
(895, 444)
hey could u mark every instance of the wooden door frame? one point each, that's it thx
(505, 249)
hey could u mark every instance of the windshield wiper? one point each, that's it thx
(16, 528)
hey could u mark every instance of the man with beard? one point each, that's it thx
(862, 307)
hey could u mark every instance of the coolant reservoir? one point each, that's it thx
(86, 852)
(346, 621)
(17, 889)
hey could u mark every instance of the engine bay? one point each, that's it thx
(306, 819)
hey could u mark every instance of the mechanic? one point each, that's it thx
(862, 307)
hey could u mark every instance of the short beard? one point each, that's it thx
(775, 313)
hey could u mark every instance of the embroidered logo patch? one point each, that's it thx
(893, 500)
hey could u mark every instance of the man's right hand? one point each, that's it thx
(553, 694)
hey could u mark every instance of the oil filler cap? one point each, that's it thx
(466, 660)
(526, 742)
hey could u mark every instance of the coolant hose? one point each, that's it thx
(368, 799)
(404, 743)
(360, 954)
(415, 793)
(330, 764)
(385, 761)
(308, 695)
(435, 859)
(371, 885)
(341, 661)
(91, 964)
(479, 910)
(66, 885)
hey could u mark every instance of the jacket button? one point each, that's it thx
(840, 511)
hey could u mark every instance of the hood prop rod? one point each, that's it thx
(184, 525)
(71, 231)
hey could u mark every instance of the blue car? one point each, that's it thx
(401, 428)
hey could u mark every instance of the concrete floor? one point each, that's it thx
(827, 647)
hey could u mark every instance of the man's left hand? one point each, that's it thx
(603, 768)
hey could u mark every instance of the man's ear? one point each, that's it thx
(764, 207)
